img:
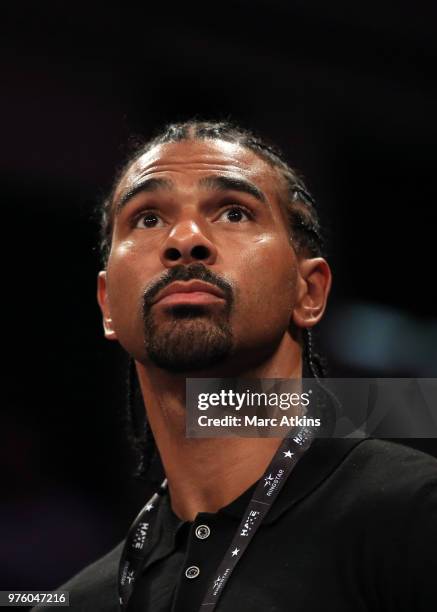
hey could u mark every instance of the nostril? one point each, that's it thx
(172, 254)
(200, 252)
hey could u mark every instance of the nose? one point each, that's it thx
(186, 244)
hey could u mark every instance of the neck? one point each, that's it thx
(205, 474)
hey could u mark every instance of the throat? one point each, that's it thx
(215, 472)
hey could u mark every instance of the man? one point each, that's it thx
(213, 268)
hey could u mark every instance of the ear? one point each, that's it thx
(314, 284)
(102, 298)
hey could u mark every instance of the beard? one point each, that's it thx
(191, 339)
(188, 337)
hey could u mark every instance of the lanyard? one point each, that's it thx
(135, 549)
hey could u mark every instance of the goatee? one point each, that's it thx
(188, 337)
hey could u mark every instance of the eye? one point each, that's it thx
(148, 220)
(235, 214)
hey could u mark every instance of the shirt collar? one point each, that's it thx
(321, 459)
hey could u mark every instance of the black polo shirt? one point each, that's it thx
(354, 529)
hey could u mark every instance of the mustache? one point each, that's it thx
(195, 271)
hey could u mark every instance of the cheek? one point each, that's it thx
(267, 281)
(269, 266)
(127, 275)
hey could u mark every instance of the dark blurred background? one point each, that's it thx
(347, 90)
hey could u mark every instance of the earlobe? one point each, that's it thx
(102, 298)
(315, 280)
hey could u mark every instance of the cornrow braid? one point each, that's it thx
(314, 363)
(138, 430)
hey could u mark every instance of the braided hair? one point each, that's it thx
(304, 226)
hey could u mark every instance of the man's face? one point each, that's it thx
(205, 211)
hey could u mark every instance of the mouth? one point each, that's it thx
(189, 292)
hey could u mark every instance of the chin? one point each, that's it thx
(188, 343)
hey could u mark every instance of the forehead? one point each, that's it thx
(188, 160)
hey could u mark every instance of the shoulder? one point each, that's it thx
(394, 463)
(94, 589)
(389, 475)
(396, 502)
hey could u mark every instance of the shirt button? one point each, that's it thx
(202, 532)
(192, 572)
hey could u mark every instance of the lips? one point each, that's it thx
(189, 292)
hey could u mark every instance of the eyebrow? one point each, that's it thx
(144, 186)
(215, 183)
(227, 183)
